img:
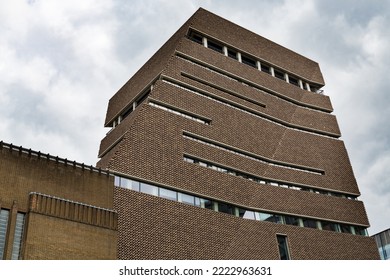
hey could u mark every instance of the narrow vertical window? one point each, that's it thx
(18, 236)
(4, 214)
(283, 247)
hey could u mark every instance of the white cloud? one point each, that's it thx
(61, 61)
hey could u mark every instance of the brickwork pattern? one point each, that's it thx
(155, 228)
(152, 147)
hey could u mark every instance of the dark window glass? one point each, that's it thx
(248, 61)
(293, 81)
(225, 208)
(360, 231)
(196, 38)
(345, 228)
(214, 46)
(329, 226)
(283, 248)
(127, 112)
(290, 220)
(232, 54)
(265, 68)
(279, 74)
(309, 223)
(205, 203)
(143, 97)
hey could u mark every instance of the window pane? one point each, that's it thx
(204, 203)
(3, 230)
(279, 75)
(149, 189)
(250, 215)
(168, 194)
(283, 249)
(232, 54)
(328, 226)
(225, 208)
(186, 198)
(265, 68)
(130, 184)
(290, 220)
(270, 218)
(248, 61)
(214, 46)
(309, 223)
(345, 228)
(18, 236)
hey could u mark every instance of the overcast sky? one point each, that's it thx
(61, 61)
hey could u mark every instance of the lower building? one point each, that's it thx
(52, 208)
(382, 240)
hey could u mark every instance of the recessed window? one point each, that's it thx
(226, 208)
(248, 61)
(360, 231)
(283, 247)
(149, 189)
(247, 214)
(196, 38)
(4, 214)
(345, 228)
(265, 68)
(16, 246)
(273, 218)
(214, 46)
(290, 220)
(186, 198)
(279, 74)
(309, 223)
(329, 226)
(232, 54)
(168, 194)
(127, 112)
(129, 184)
(293, 81)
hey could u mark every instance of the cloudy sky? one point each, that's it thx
(61, 61)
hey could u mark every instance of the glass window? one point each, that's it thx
(360, 231)
(273, 218)
(117, 181)
(196, 38)
(248, 61)
(329, 226)
(168, 194)
(293, 81)
(18, 236)
(290, 220)
(149, 189)
(250, 215)
(4, 214)
(283, 248)
(205, 203)
(279, 74)
(186, 198)
(226, 208)
(232, 54)
(214, 46)
(345, 228)
(309, 223)
(190, 160)
(265, 68)
(129, 184)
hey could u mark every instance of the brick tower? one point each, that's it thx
(225, 147)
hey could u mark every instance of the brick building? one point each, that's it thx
(222, 147)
